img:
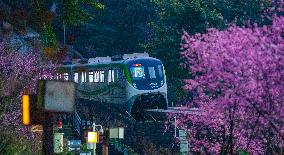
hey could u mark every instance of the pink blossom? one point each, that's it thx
(18, 71)
(238, 80)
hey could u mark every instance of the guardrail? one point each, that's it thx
(77, 124)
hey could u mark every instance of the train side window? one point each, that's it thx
(97, 76)
(102, 76)
(152, 72)
(121, 74)
(76, 77)
(160, 70)
(117, 74)
(110, 75)
(91, 76)
(65, 76)
(61, 76)
(58, 76)
(83, 77)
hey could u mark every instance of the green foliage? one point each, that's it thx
(48, 36)
(242, 152)
(94, 4)
(11, 143)
(194, 16)
(40, 15)
(75, 14)
(172, 17)
(117, 29)
(66, 13)
(242, 11)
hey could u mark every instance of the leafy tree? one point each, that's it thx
(71, 12)
(48, 36)
(241, 12)
(74, 13)
(170, 21)
(51, 16)
(117, 29)
(173, 16)
(237, 79)
(165, 35)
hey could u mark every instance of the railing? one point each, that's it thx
(77, 124)
(80, 125)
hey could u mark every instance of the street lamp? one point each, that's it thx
(93, 137)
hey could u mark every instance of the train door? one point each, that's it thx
(115, 85)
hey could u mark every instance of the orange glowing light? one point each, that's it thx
(137, 65)
(26, 109)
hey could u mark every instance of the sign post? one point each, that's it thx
(117, 133)
(52, 97)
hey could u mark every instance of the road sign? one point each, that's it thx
(74, 145)
(58, 142)
(56, 96)
(116, 133)
(184, 145)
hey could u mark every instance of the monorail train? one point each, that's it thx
(131, 83)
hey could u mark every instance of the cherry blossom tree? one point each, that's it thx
(17, 72)
(238, 86)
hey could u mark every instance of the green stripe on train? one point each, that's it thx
(126, 73)
(99, 91)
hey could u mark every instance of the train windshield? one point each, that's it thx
(137, 72)
(146, 74)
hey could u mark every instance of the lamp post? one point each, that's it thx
(95, 145)
(175, 126)
(116, 133)
(93, 137)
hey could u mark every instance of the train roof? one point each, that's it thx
(106, 61)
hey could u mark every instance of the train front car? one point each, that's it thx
(147, 88)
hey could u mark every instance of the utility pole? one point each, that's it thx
(94, 129)
(175, 126)
(64, 34)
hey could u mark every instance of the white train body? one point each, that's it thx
(134, 82)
